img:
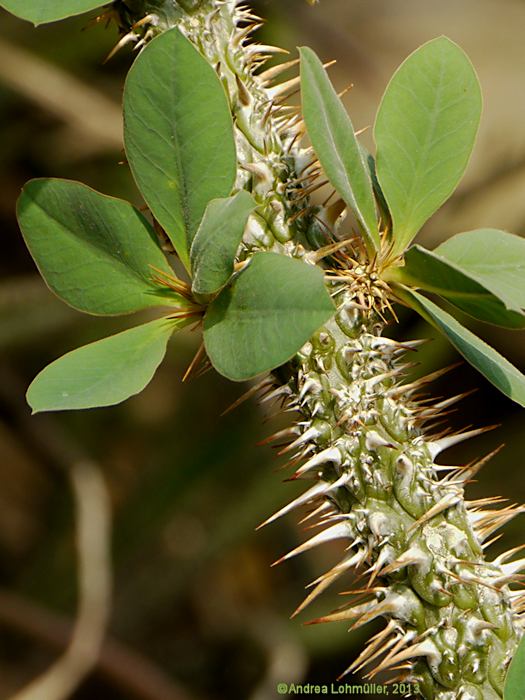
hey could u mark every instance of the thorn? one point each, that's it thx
(486, 545)
(388, 345)
(205, 367)
(282, 89)
(145, 20)
(414, 344)
(320, 253)
(321, 586)
(412, 556)
(326, 580)
(309, 435)
(386, 607)
(402, 641)
(446, 403)
(437, 446)
(378, 565)
(166, 279)
(252, 391)
(502, 558)
(325, 203)
(510, 571)
(374, 440)
(274, 71)
(365, 591)
(193, 364)
(368, 655)
(418, 383)
(348, 614)
(279, 435)
(331, 454)
(253, 50)
(326, 506)
(345, 90)
(448, 501)
(336, 532)
(302, 194)
(245, 97)
(300, 213)
(426, 648)
(470, 471)
(309, 384)
(493, 520)
(126, 39)
(468, 578)
(482, 502)
(306, 177)
(278, 392)
(314, 492)
(245, 32)
(402, 677)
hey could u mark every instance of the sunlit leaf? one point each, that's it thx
(332, 136)
(179, 135)
(217, 240)
(95, 252)
(429, 271)
(264, 317)
(103, 373)
(515, 679)
(41, 11)
(496, 259)
(499, 371)
(425, 131)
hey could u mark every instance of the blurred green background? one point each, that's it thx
(197, 610)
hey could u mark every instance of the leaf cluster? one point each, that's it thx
(102, 256)
(424, 132)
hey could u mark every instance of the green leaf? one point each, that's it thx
(425, 131)
(499, 371)
(41, 11)
(496, 259)
(515, 679)
(95, 252)
(264, 317)
(216, 242)
(103, 373)
(429, 271)
(333, 138)
(178, 134)
(378, 192)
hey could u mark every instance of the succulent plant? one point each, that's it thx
(304, 294)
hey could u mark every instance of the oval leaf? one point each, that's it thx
(515, 680)
(270, 310)
(93, 251)
(425, 131)
(333, 138)
(103, 373)
(496, 259)
(178, 134)
(41, 11)
(429, 271)
(216, 242)
(499, 371)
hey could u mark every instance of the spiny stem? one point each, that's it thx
(360, 444)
